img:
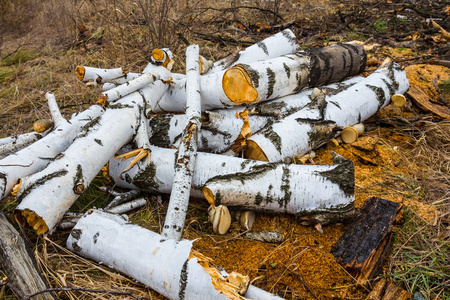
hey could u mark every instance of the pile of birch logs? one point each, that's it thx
(183, 134)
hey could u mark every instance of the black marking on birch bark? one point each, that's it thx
(75, 247)
(119, 106)
(160, 126)
(271, 82)
(244, 163)
(270, 109)
(359, 118)
(76, 233)
(95, 237)
(128, 178)
(145, 179)
(254, 76)
(98, 141)
(340, 87)
(330, 215)
(335, 104)
(271, 135)
(204, 141)
(343, 174)
(183, 280)
(381, 97)
(78, 181)
(88, 126)
(318, 104)
(391, 86)
(286, 34)
(285, 187)
(253, 172)
(263, 46)
(217, 198)
(215, 131)
(2, 185)
(39, 182)
(287, 70)
(259, 198)
(321, 133)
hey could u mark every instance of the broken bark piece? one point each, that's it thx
(318, 122)
(220, 218)
(19, 263)
(325, 192)
(187, 153)
(422, 100)
(246, 218)
(365, 245)
(386, 290)
(167, 266)
(266, 237)
(275, 45)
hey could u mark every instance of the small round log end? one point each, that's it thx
(42, 125)
(208, 195)
(349, 135)
(80, 71)
(398, 99)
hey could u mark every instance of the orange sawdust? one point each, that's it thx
(422, 75)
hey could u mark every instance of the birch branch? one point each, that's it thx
(187, 152)
(12, 144)
(317, 123)
(39, 154)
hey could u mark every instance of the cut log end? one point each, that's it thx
(42, 125)
(349, 135)
(30, 218)
(398, 99)
(209, 195)
(80, 71)
(253, 151)
(238, 86)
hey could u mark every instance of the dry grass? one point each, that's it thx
(41, 45)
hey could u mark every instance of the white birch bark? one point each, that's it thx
(325, 192)
(99, 75)
(296, 182)
(48, 194)
(166, 266)
(316, 124)
(269, 79)
(38, 155)
(275, 45)
(128, 206)
(221, 127)
(187, 152)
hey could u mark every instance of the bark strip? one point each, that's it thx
(187, 152)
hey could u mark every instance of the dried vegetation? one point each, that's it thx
(403, 157)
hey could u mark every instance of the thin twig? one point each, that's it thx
(299, 276)
(69, 289)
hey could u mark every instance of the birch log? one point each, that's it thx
(324, 191)
(169, 267)
(275, 45)
(19, 263)
(319, 122)
(98, 75)
(48, 194)
(187, 152)
(39, 154)
(221, 128)
(269, 79)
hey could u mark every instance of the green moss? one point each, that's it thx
(20, 56)
(5, 74)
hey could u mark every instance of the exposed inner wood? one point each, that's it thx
(80, 71)
(42, 125)
(238, 86)
(208, 195)
(24, 217)
(246, 132)
(219, 282)
(253, 151)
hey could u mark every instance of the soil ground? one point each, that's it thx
(404, 155)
